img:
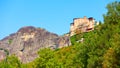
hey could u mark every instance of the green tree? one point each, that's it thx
(10, 62)
(113, 14)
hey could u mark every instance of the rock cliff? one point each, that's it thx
(28, 40)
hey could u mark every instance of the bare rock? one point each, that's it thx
(26, 42)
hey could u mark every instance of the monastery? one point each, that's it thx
(80, 25)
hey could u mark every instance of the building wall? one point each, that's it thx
(82, 24)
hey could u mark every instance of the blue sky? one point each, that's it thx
(53, 15)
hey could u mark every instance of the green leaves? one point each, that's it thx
(10, 41)
(10, 62)
(113, 14)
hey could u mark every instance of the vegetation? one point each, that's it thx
(10, 62)
(10, 41)
(100, 48)
(5, 50)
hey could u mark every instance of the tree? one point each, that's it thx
(113, 14)
(10, 62)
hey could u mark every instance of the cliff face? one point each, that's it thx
(28, 40)
(2, 55)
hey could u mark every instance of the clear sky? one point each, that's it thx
(53, 15)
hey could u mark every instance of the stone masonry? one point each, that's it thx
(80, 25)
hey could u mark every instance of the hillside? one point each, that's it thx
(28, 40)
(98, 49)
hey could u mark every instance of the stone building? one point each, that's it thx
(80, 25)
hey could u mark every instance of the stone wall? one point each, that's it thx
(81, 25)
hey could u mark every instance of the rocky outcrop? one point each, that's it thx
(2, 55)
(80, 25)
(28, 40)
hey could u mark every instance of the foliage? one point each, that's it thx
(113, 14)
(10, 41)
(10, 62)
(100, 48)
(5, 50)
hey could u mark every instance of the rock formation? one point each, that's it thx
(80, 25)
(28, 40)
(2, 55)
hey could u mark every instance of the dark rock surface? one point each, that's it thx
(28, 40)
